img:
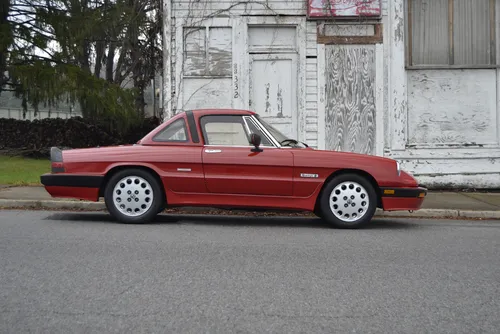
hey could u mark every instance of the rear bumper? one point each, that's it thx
(399, 199)
(85, 187)
(70, 180)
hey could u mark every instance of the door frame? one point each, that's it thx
(241, 62)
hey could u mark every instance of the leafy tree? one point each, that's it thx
(81, 51)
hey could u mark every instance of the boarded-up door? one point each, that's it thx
(273, 90)
(350, 98)
(204, 58)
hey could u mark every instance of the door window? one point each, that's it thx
(252, 127)
(224, 130)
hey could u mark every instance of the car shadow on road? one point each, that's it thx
(222, 220)
(283, 221)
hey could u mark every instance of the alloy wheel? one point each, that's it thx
(133, 196)
(349, 201)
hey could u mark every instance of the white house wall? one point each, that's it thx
(232, 89)
(452, 108)
(442, 124)
(194, 12)
(211, 8)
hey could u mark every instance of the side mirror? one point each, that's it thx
(255, 141)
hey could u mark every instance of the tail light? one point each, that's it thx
(56, 160)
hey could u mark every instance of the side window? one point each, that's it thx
(254, 129)
(224, 130)
(174, 132)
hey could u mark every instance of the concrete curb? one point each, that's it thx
(48, 204)
(441, 213)
(99, 206)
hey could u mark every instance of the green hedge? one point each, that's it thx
(34, 138)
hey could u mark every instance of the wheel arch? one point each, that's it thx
(117, 168)
(359, 172)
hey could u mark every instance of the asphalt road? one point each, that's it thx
(80, 272)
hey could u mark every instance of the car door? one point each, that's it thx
(178, 157)
(230, 167)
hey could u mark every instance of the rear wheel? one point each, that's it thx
(133, 196)
(348, 201)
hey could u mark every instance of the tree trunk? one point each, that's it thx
(5, 40)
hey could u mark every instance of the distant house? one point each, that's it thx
(11, 107)
(414, 80)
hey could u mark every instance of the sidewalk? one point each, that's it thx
(436, 204)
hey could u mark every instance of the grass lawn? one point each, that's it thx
(22, 171)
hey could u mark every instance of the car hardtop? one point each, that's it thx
(196, 114)
(206, 112)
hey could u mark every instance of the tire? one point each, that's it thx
(143, 202)
(318, 212)
(354, 191)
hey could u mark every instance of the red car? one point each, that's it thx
(230, 159)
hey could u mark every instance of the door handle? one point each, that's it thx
(212, 151)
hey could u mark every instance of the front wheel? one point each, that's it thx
(348, 201)
(133, 196)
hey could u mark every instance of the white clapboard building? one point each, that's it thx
(415, 80)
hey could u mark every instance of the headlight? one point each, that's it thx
(398, 168)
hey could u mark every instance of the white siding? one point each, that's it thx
(312, 49)
(311, 102)
(385, 7)
(311, 85)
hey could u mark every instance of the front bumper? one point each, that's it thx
(402, 199)
(420, 192)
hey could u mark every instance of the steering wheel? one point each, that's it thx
(293, 141)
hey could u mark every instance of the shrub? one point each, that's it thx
(34, 138)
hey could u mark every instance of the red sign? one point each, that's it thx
(343, 8)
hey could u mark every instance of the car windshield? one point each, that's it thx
(274, 132)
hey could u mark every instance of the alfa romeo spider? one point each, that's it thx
(230, 159)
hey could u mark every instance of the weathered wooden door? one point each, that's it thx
(204, 59)
(349, 98)
(273, 90)
(276, 71)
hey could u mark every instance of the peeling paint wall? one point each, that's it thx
(344, 8)
(255, 62)
(211, 8)
(452, 107)
(205, 69)
(442, 123)
(189, 91)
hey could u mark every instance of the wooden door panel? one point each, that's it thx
(350, 98)
(273, 90)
